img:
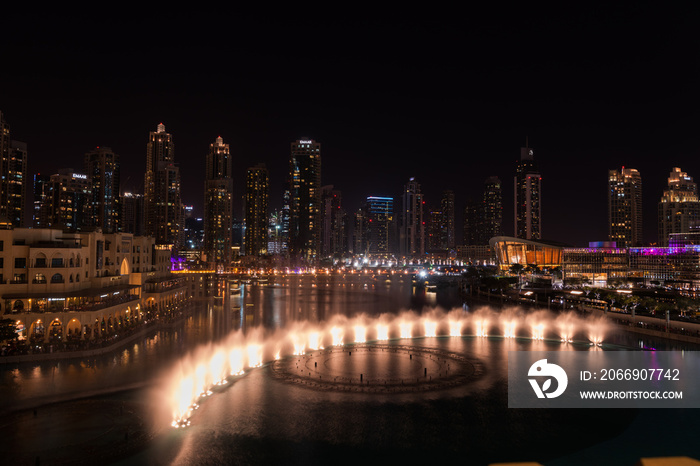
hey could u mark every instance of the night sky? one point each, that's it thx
(446, 96)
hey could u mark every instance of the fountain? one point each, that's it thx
(215, 365)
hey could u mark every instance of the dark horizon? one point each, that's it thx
(448, 100)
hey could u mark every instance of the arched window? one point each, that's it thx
(39, 278)
(57, 278)
(18, 305)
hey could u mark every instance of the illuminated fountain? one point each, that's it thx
(211, 367)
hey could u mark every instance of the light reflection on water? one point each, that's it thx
(256, 412)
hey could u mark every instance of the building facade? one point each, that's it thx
(103, 168)
(257, 189)
(162, 202)
(528, 194)
(412, 230)
(305, 200)
(13, 177)
(62, 287)
(218, 203)
(679, 207)
(625, 207)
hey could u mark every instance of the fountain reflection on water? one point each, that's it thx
(214, 364)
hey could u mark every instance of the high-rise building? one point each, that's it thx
(380, 212)
(218, 203)
(472, 223)
(333, 240)
(102, 166)
(274, 233)
(679, 208)
(14, 184)
(436, 237)
(528, 207)
(412, 231)
(40, 216)
(625, 207)
(360, 233)
(447, 207)
(67, 203)
(305, 200)
(132, 220)
(13, 177)
(257, 188)
(284, 223)
(492, 216)
(162, 201)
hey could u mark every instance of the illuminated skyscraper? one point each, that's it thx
(679, 208)
(102, 166)
(492, 206)
(447, 207)
(381, 212)
(40, 217)
(625, 207)
(528, 186)
(257, 188)
(162, 202)
(305, 200)
(67, 202)
(333, 239)
(412, 231)
(218, 203)
(13, 176)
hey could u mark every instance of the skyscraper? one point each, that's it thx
(528, 208)
(40, 217)
(13, 176)
(380, 211)
(447, 207)
(492, 205)
(472, 223)
(218, 203)
(132, 220)
(679, 208)
(102, 166)
(625, 207)
(67, 201)
(257, 188)
(14, 184)
(162, 202)
(412, 231)
(305, 200)
(436, 237)
(333, 239)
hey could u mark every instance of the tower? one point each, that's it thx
(492, 216)
(257, 187)
(528, 208)
(679, 207)
(102, 166)
(305, 200)
(625, 207)
(218, 203)
(380, 211)
(13, 176)
(162, 202)
(412, 232)
(447, 207)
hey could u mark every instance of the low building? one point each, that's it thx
(510, 251)
(60, 286)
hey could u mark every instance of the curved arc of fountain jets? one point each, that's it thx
(215, 365)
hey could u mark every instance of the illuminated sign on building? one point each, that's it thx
(82, 177)
(305, 142)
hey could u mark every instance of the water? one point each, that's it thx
(258, 418)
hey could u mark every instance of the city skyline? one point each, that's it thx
(447, 107)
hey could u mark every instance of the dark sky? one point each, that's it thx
(447, 96)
